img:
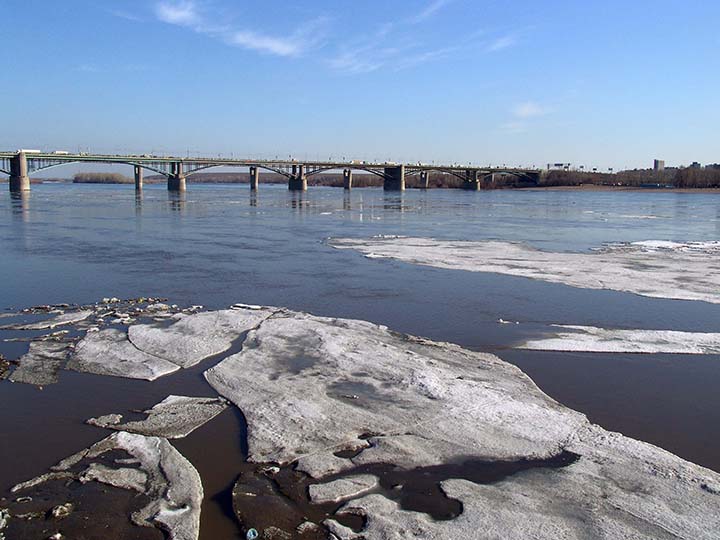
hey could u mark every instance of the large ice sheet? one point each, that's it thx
(592, 339)
(310, 386)
(686, 271)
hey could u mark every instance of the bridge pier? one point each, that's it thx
(138, 178)
(176, 179)
(298, 180)
(472, 181)
(424, 179)
(535, 176)
(19, 179)
(254, 178)
(394, 178)
(347, 178)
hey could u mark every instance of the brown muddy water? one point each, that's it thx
(216, 246)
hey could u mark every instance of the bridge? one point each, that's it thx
(21, 164)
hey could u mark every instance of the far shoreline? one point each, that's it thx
(595, 187)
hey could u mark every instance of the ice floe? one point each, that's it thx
(195, 337)
(40, 365)
(592, 339)
(685, 271)
(109, 352)
(172, 418)
(343, 488)
(155, 469)
(310, 387)
(62, 319)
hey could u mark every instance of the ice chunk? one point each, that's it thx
(687, 271)
(163, 474)
(40, 365)
(173, 418)
(59, 320)
(108, 352)
(591, 339)
(195, 337)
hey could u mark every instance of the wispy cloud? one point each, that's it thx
(429, 10)
(96, 69)
(125, 15)
(403, 51)
(522, 116)
(187, 13)
(368, 57)
(181, 13)
(501, 43)
(529, 109)
(515, 126)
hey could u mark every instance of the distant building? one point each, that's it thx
(559, 166)
(659, 165)
(695, 165)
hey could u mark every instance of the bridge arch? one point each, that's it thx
(33, 170)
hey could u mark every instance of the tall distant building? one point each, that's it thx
(659, 165)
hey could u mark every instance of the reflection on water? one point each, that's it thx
(138, 202)
(20, 205)
(177, 200)
(393, 200)
(298, 200)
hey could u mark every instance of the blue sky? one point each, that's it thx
(607, 84)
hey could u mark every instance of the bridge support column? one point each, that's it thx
(347, 178)
(298, 180)
(394, 178)
(535, 176)
(138, 178)
(472, 181)
(176, 180)
(424, 179)
(19, 179)
(254, 178)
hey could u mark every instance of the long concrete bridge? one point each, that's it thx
(21, 164)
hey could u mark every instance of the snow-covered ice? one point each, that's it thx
(683, 271)
(159, 471)
(173, 418)
(192, 338)
(608, 340)
(311, 386)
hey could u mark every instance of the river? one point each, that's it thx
(219, 244)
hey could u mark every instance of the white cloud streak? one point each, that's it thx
(522, 116)
(429, 10)
(186, 13)
(125, 15)
(181, 13)
(529, 109)
(501, 43)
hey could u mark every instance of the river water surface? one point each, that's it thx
(218, 245)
